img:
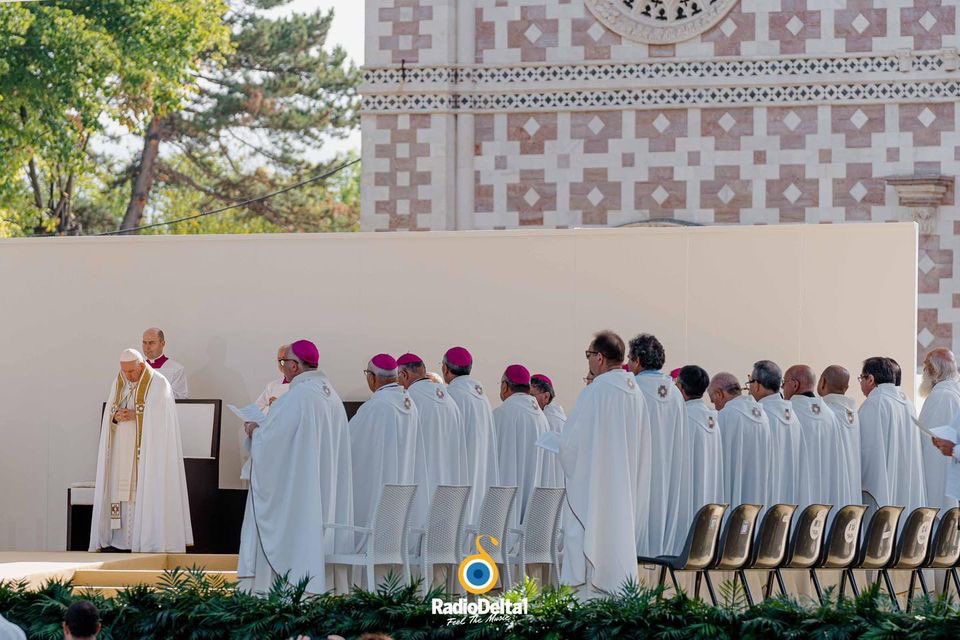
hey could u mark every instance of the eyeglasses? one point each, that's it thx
(590, 353)
(370, 372)
(282, 360)
(750, 381)
(862, 378)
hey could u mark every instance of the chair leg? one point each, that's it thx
(710, 590)
(769, 586)
(746, 587)
(696, 585)
(956, 580)
(923, 583)
(371, 580)
(780, 583)
(676, 585)
(663, 575)
(890, 589)
(816, 585)
(913, 583)
(853, 583)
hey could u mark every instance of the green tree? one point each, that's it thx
(259, 124)
(69, 68)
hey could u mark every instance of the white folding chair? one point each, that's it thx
(495, 511)
(538, 538)
(384, 542)
(439, 542)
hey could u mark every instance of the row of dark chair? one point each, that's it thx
(778, 544)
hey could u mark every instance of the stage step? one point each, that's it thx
(117, 574)
(126, 578)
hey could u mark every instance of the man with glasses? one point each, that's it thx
(605, 453)
(298, 479)
(785, 476)
(890, 454)
(273, 390)
(745, 438)
(467, 392)
(671, 496)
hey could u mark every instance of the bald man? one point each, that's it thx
(832, 387)
(821, 446)
(940, 407)
(154, 343)
(745, 437)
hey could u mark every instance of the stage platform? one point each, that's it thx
(107, 572)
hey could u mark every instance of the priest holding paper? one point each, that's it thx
(941, 407)
(273, 390)
(140, 500)
(605, 453)
(293, 453)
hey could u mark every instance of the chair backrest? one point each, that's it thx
(841, 545)
(879, 540)
(495, 512)
(390, 519)
(945, 551)
(541, 521)
(806, 541)
(914, 543)
(770, 546)
(445, 522)
(701, 546)
(737, 537)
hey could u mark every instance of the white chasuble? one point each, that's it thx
(746, 442)
(671, 484)
(519, 422)
(706, 453)
(789, 479)
(556, 416)
(605, 453)
(821, 454)
(482, 469)
(141, 488)
(940, 408)
(443, 436)
(273, 390)
(848, 420)
(293, 456)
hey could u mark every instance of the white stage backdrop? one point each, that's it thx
(719, 297)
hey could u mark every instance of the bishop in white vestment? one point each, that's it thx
(833, 385)
(890, 455)
(153, 345)
(745, 439)
(385, 442)
(605, 453)
(706, 455)
(140, 500)
(467, 392)
(440, 426)
(941, 407)
(519, 422)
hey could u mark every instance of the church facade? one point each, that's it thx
(501, 114)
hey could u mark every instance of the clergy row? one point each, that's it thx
(308, 467)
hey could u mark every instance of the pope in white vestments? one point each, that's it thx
(440, 424)
(385, 442)
(467, 392)
(891, 459)
(541, 388)
(140, 500)
(519, 422)
(605, 453)
(746, 442)
(941, 407)
(292, 456)
(153, 345)
(706, 449)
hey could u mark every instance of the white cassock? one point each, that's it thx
(821, 453)
(671, 484)
(140, 500)
(481, 435)
(175, 374)
(556, 417)
(746, 442)
(441, 430)
(845, 410)
(940, 408)
(519, 422)
(10, 631)
(706, 453)
(285, 510)
(789, 470)
(890, 457)
(387, 449)
(605, 452)
(273, 390)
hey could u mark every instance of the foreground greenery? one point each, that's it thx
(190, 605)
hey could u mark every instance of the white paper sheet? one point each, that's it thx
(249, 413)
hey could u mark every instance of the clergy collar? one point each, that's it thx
(306, 375)
(159, 362)
(388, 386)
(284, 381)
(650, 372)
(807, 394)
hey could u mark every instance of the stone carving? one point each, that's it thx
(660, 21)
